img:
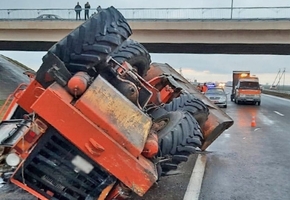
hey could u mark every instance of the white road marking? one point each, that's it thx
(266, 120)
(278, 113)
(194, 186)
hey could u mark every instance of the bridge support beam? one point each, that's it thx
(186, 36)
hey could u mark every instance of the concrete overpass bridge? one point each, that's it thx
(172, 32)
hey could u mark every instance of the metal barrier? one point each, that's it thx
(283, 94)
(221, 13)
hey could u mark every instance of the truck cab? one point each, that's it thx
(248, 90)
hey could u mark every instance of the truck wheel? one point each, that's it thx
(187, 102)
(232, 98)
(236, 101)
(135, 54)
(92, 41)
(179, 135)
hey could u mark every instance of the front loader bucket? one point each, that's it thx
(218, 121)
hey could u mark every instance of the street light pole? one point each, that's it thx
(232, 5)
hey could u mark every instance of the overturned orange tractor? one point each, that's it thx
(100, 121)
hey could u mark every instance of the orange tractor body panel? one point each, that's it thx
(28, 189)
(95, 142)
(32, 92)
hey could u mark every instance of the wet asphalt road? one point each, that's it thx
(171, 187)
(251, 162)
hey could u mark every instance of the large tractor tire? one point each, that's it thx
(135, 54)
(178, 137)
(187, 102)
(91, 42)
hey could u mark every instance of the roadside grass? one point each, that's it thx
(15, 62)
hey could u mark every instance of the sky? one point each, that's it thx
(200, 67)
(13, 4)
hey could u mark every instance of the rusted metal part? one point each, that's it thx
(217, 122)
(116, 159)
(129, 90)
(119, 192)
(157, 126)
(113, 112)
(163, 91)
(137, 90)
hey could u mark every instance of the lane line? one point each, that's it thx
(278, 113)
(194, 186)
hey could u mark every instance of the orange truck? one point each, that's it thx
(246, 88)
(100, 121)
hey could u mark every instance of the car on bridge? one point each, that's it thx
(48, 17)
(273, 87)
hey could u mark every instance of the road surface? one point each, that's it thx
(251, 162)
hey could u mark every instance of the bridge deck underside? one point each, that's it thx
(197, 48)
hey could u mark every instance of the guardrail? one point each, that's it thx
(221, 13)
(283, 94)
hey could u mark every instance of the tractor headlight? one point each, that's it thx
(12, 159)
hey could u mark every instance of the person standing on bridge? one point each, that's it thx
(78, 10)
(99, 8)
(87, 10)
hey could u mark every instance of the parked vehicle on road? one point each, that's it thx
(246, 88)
(218, 96)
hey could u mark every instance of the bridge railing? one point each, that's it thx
(224, 13)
